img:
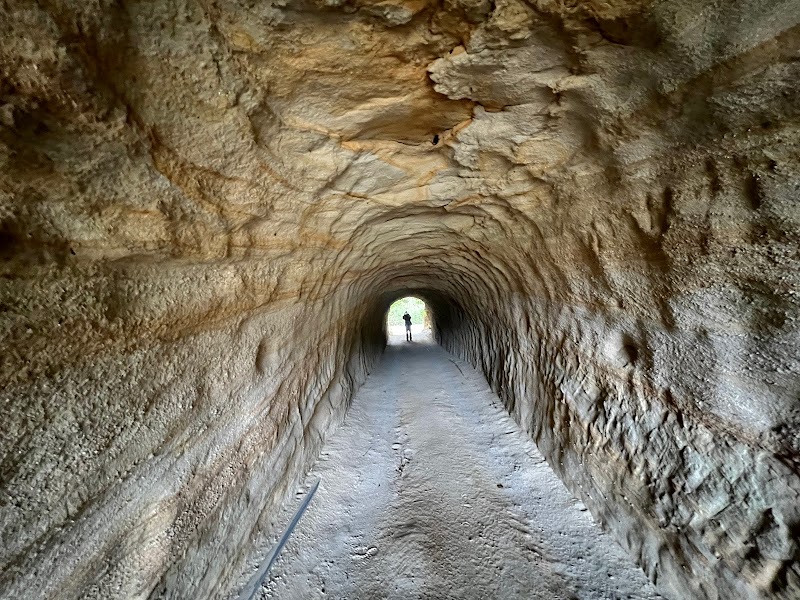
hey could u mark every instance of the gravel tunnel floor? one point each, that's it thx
(430, 490)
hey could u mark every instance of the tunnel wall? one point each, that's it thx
(144, 456)
(172, 359)
(660, 402)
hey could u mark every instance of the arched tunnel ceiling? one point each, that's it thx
(205, 206)
(322, 118)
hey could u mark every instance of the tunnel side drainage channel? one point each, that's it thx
(250, 590)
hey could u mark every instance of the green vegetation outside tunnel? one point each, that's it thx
(415, 307)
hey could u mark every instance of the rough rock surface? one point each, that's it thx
(206, 207)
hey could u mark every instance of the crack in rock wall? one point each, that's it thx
(207, 207)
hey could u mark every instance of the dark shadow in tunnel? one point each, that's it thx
(442, 315)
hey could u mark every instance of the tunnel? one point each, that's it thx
(207, 208)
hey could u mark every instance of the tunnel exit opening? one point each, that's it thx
(419, 318)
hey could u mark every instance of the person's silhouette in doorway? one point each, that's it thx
(407, 319)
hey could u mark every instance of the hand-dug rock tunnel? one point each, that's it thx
(206, 209)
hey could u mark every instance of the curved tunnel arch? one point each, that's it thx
(200, 236)
(440, 306)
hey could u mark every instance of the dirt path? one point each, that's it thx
(430, 490)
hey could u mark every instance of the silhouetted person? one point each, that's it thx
(407, 319)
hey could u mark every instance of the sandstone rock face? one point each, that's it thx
(206, 208)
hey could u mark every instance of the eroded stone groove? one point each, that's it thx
(205, 209)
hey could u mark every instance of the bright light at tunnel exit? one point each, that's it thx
(420, 316)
